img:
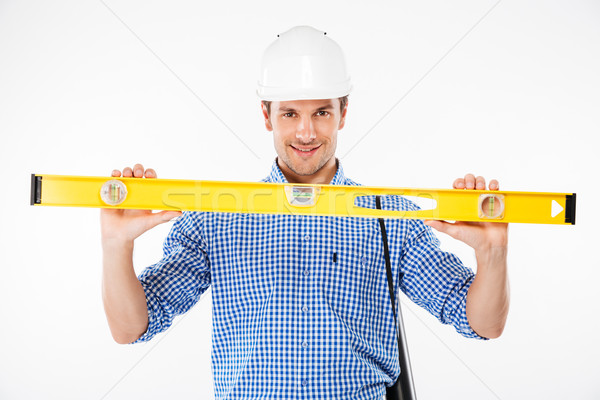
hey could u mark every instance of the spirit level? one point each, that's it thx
(297, 199)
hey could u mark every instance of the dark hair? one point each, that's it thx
(343, 101)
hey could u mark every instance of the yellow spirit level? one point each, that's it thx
(297, 199)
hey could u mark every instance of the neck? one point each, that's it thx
(322, 177)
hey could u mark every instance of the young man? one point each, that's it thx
(301, 307)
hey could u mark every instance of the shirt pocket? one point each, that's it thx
(353, 284)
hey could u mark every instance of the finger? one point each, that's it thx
(150, 173)
(127, 173)
(138, 170)
(459, 183)
(116, 173)
(470, 181)
(494, 185)
(480, 183)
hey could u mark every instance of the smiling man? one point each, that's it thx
(301, 307)
(305, 137)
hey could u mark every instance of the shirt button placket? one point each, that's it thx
(305, 276)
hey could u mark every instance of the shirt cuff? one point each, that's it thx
(155, 314)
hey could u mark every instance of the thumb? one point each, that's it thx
(442, 226)
(162, 217)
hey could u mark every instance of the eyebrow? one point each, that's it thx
(290, 109)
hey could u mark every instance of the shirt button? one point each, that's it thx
(363, 260)
(305, 309)
(306, 272)
(304, 344)
(304, 382)
(307, 237)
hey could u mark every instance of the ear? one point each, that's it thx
(343, 118)
(268, 124)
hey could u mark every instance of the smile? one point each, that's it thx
(305, 152)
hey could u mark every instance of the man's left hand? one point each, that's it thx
(481, 236)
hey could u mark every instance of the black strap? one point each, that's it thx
(388, 267)
(403, 388)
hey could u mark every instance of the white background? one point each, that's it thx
(87, 86)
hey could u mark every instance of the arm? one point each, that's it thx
(122, 293)
(435, 279)
(488, 297)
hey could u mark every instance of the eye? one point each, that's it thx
(288, 115)
(323, 113)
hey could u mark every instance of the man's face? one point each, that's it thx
(305, 132)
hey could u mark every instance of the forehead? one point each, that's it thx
(305, 104)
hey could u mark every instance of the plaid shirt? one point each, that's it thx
(301, 307)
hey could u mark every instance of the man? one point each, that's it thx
(301, 307)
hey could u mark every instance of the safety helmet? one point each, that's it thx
(303, 63)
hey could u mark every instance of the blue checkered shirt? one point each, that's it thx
(301, 306)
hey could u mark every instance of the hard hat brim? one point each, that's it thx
(287, 94)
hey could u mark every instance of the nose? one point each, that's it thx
(305, 131)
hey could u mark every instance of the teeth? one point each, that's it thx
(304, 150)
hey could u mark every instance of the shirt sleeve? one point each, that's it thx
(436, 280)
(175, 284)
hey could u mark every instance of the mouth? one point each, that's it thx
(305, 151)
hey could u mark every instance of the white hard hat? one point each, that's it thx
(303, 63)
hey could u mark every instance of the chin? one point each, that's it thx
(305, 169)
(303, 166)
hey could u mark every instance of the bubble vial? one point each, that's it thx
(113, 192)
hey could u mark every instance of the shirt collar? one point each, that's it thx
(276, 176)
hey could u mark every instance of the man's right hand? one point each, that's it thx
(124, 226)
(122, 293)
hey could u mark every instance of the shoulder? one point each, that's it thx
(350, 182)
(188, 228)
